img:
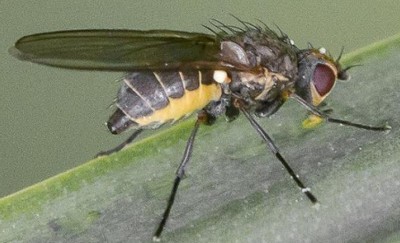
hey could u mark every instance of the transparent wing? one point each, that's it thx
(119, 50)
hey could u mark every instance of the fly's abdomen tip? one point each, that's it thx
(119, 122)
(113, 129)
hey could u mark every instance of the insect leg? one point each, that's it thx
(202, 118)
(317, 112)
(275, 150)
(120, 146)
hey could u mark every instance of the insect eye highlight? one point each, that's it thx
(323, 79)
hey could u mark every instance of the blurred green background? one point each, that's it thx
(53, 119)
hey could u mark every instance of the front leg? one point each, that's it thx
(327, 118)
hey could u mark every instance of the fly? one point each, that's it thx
(170, 74)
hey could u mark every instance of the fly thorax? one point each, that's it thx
(258, 87)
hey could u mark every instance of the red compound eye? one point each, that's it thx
(324, 79)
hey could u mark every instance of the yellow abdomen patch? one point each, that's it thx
(190, 102)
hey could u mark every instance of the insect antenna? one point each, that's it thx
(351, 66)
(343, 75)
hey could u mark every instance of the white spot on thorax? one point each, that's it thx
(220, 76)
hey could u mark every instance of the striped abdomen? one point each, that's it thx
(149, 99)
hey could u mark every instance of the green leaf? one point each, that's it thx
(236, 190)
